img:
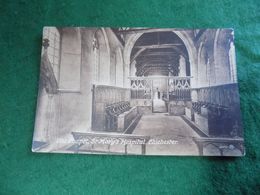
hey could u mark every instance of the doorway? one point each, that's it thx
(159, 95)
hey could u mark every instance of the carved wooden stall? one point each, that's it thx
(217, 111)
(111, 109)
(103, 96)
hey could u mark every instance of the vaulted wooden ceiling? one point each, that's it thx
(158, 53)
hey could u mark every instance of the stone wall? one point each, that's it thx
(215, 58)
(81, 66)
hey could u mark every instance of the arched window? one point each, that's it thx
(102, 57)
(204, 73)
(119, 69)
(232, 62)
(96, 51)
(53, 35)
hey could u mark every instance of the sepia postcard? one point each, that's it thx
(138, 91)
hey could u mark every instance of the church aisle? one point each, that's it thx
(161, 126)
(159, 106)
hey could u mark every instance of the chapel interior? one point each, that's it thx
(139, 83)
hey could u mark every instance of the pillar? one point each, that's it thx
(182, 66)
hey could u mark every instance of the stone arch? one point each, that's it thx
(221, 56)
(191, 49)
(120, 65)
(184, 36)
(103, 57)
(70, 59)
(119, 68)
(232, 62)
(203, 63)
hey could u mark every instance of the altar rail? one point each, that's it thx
(94, 139)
